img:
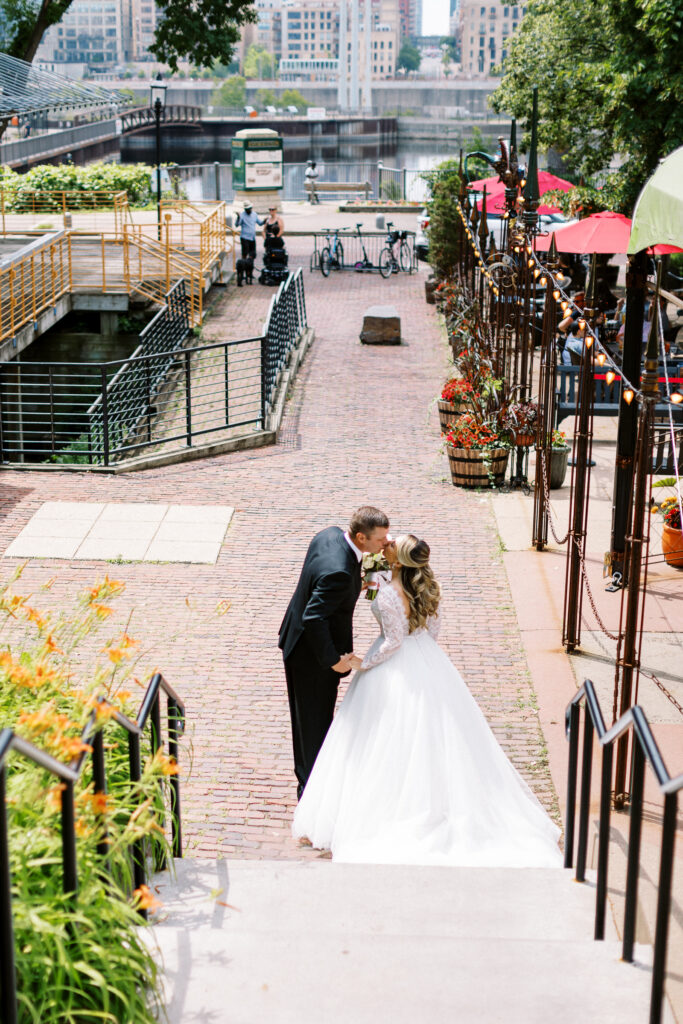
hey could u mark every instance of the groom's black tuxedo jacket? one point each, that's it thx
(321, 609)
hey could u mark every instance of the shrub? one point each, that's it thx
(444, 182)
(78, 958)
(134, 179)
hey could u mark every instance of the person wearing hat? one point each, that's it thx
(247, 221)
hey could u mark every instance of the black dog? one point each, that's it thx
(245, 272)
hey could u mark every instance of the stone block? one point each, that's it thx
(381, 326)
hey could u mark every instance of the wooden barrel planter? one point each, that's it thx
(449, 412)
(672, 546)
(468, 468)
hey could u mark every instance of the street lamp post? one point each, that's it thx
(157, 90)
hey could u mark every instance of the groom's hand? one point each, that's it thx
(344, 664)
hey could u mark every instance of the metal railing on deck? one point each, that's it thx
(32, 281)
(69, 774)
(105, 210)
(645, 750)
(167, 395)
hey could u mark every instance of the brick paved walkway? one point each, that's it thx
(358, 428)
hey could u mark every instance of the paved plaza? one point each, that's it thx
(360, 426)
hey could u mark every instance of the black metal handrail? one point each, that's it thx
(69, 774)
(168, 391)
(645, 749)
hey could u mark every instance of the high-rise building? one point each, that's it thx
(415, 20)
(484, 31)
(91, 32)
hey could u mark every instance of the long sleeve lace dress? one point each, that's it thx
(410, 772)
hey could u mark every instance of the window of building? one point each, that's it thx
(506, 11)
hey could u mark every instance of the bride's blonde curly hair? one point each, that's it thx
(417, 579)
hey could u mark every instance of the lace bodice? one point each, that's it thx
(389, 611)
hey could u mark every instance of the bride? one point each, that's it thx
(410, 772)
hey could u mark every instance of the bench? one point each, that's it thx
(606, 396)
(313, 187)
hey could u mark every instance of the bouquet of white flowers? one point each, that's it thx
(375, 567)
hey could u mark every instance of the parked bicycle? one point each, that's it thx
(389, 262)
(365, 263)
(332, 254)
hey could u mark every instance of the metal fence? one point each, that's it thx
(167, 395)
(50, 143)
(214, 181)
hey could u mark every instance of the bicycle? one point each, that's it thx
(365, 263)
(331, 256)
(388, 262)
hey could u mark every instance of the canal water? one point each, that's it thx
(403, 166)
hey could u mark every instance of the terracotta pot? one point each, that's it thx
(672, 546)
(468, 468)
(558, 467)
(449, 413)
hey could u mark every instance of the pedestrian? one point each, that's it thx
(247, 221)
(274, 225)
(310, 177)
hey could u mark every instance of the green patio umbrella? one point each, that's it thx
(658, 214)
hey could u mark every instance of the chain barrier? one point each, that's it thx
(584, 574)
(548, 506)
(660, 685)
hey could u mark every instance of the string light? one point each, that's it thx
(601, 357)
(530, 263)
(628, 396)
(536, 272)
(543, 282)
(556, 293)
(589, 340)
(609, 376)
(677, 397)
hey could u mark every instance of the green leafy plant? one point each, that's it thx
(78, 957)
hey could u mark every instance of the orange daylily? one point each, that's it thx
(146, 900)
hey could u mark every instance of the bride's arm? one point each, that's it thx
(393, 619)
(434, 625)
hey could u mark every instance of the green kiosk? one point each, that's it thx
(257, 167)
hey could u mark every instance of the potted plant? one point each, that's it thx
(559, 454)
(477, 455)
(455, 399)
(520, 419)
(672, 534)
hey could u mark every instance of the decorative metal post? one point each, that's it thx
(627, 431)
(158, 97)
(546, 401)
(483, 239)
(583, 436)
(628, 662)
(474, 220)
(530, 222)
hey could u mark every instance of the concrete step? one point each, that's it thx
(245, 942)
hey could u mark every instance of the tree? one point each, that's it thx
(444, 238)
(409, 57)
(258, 63)
(453, 47)
(201, 32)
(266, 98)
(231, 93)
(610, 80)
(293, 98)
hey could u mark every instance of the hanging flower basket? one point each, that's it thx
(522, 440)
(672, 546)
(476, 467)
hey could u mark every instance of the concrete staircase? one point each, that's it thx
(290, 942)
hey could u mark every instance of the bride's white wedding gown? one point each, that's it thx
(410, 772)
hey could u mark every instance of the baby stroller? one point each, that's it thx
(275, 261)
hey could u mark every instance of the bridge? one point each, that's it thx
(172, 114)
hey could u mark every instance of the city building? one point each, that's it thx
(484, 31)
(101, 33)
(91, 33)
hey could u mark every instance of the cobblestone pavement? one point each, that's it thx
(359, 428)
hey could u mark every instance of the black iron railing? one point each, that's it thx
(126, 401)
(645, 750)
(166, 395)
(150, 711)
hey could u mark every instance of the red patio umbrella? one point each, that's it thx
(603, 232)
(495, 191)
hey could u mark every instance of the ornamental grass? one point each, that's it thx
(79, 958)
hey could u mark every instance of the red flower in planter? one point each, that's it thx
(456, 389)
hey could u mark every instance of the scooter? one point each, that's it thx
(365, 263)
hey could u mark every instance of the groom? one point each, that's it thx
(316, 635)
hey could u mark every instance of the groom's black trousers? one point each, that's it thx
(312, 693)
